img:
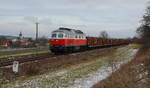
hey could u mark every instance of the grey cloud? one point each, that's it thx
(115, 16)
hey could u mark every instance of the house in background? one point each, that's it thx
(4, 43)
(13, 41)
(21, 40)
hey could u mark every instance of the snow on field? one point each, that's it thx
(79, 76)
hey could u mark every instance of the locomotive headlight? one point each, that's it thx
(52, 40)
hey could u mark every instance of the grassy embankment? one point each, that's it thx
(135, 74)
(23, 52)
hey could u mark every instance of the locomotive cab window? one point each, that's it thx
(54, 35)
(60, 35)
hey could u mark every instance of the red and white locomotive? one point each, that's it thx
(65, 39)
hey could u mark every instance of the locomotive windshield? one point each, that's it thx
(54, 35)
(58, 35)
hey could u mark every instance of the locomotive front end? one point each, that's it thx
(57, 42)
(67, 40)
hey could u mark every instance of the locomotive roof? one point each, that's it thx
(68, 30)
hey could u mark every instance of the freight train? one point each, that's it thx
(70, 40)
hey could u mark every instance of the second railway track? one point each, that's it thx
(25, 58)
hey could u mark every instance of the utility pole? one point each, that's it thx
(37, 31)
(37, 24)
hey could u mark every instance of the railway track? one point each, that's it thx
(27, 58)
(22, 59)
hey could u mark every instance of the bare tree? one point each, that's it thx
(144, 29)
(103, 34)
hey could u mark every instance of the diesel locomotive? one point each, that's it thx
(65, 39)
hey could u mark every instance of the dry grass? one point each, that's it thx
(32, 69)
(135, 74)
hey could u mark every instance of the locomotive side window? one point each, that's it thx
(79, 36)
(76, 36)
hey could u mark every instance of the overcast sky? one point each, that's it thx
(119, 18)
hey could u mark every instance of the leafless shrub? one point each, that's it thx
(103, 34)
